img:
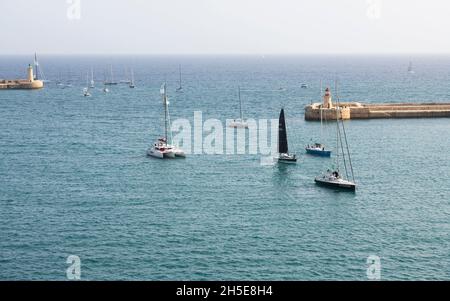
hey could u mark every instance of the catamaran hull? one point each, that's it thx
(320, 153)
(160, 155)
(179, 154)
(336, 185)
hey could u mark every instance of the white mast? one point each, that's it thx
(92, 77)
(163, 92)
(240, 104)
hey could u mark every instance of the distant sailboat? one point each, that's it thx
(39, 74)
(240, 122)
(92, 86)
(180, 87)
(410, 68)
(283, 149)
(86, 92)
(161, 148)
(127, 80)
(111, 81)
(335, 178)
(132, 86)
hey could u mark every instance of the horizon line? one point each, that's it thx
(234, 54)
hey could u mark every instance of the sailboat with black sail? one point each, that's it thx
(283, 149)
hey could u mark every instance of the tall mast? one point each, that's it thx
(36, 67)
(165, 111)
(337, 128)
(321, 114)
(240, 103)
(112, 76)
(179, 67)
(92, 76)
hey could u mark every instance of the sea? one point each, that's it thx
(75, 179)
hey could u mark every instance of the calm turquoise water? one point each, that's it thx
(75, 178)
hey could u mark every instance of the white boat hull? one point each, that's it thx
(287, 159)
(335, 183)
(160, 155)
(239, 125)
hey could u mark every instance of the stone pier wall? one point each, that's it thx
(356, 110)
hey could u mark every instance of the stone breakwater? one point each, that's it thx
(356, 110)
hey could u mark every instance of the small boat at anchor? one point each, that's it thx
(240, 122)
(110, 81)
(161, 150)
(318, 149)
(283, 149)
(86, 92)
(336, 179)
(132, 85)
(333, 179)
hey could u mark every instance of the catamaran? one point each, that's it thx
(240, 122)
(111, 81)
(161, 149)
(283, 150)
(335, 178)
(318, 149)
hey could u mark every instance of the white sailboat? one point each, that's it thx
(161, 148)
(39, 74)
(111, 81)
(410, 68)
(132, 86)
(319, 149)
(92, 86)
(86, 92)
(240, 122)
(336, 179)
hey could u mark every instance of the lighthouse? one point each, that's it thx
(327, 103)
(30, 75)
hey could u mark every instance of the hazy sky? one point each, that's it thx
(224, 26)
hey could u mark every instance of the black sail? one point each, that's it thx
(282, 135)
